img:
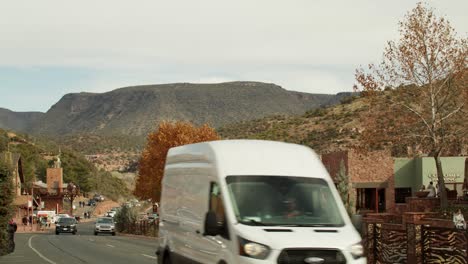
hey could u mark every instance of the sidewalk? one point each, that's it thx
(34, 229)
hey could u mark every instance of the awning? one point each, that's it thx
(369, 185)
(21, 200)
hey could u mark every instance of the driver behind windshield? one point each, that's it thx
(291, 208)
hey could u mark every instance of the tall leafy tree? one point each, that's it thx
(418, 92)
(153, 158)
(6, 200)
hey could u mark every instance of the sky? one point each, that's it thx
(49, 48)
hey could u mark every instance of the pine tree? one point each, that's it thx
(6, 201)
(343, 188)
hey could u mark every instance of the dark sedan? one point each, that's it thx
(66, 225)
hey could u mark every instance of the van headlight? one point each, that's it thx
(252, 249)
(357, 250)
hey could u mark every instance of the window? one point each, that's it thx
(401, 194)
(217, 206)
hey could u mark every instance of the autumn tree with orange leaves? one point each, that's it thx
(418, 93)
(153, 158)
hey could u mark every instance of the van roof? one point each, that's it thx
(251, 157)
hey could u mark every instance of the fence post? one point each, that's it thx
(414, 233)
(369, 241)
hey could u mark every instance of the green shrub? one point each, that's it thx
(344, 188)
(125, 217)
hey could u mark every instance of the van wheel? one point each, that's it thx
(167, 259)
(57, 233)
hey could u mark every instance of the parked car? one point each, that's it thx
(98, 198)
(111, 214)
(92, 202)
(66, 225)
(104, 225)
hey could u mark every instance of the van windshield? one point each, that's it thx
(283, 201)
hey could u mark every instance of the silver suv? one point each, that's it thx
(104, 225)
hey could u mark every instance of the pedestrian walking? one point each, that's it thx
(24, 220)
(12, 227)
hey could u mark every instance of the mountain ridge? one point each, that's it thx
(136, 110)
(18, 121)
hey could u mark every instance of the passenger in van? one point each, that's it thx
(291, 208)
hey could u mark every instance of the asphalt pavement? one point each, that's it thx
(81, 248)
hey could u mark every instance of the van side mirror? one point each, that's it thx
(211, 224)
(357, 222)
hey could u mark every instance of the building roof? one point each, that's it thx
(40, 184)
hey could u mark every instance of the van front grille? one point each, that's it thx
(311, 255)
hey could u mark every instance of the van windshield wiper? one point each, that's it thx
(255, 222)
(303, 225)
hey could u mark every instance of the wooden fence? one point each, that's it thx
(144, 227)
(415, 240)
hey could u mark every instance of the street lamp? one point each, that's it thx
(72, 192)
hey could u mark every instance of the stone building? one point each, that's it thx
(52, 192)
(371, 178)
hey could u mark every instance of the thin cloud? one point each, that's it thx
(301, 45)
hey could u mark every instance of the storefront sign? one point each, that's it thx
(448, 177)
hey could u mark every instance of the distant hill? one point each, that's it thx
(334, 128)
(18, 121)
(327, 129)
(136, 110)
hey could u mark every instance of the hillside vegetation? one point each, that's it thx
(37, 155)
(323, 129)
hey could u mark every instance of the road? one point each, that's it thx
(81, 248)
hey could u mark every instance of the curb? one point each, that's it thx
(137, 236)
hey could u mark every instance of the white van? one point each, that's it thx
(50, 215)
(252, 201)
